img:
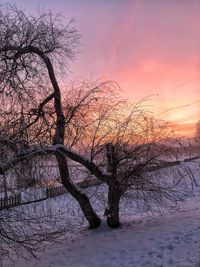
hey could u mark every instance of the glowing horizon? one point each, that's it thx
(148, 47)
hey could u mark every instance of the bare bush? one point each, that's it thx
(25, 231)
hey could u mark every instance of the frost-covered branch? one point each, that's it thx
(52, 150)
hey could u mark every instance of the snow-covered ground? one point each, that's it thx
(170, 239)
(167, 241)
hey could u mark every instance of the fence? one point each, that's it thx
(9, 202)
(15, 200)
(56, 191)
(191, 158)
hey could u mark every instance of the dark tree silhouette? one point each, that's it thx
(30, 48)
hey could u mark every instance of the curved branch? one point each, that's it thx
(59, 135)
(51, 150)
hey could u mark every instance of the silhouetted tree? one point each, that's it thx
(30, 48)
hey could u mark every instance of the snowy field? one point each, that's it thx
(145, 239)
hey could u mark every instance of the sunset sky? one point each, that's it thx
(150, 47)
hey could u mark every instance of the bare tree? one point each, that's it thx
(30, 48)
(131, 149)
(34, 50)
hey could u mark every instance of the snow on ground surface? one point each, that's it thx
(172, 239)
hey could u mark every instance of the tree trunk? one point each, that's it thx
(114, 196)
(114, 193)
(81, 198)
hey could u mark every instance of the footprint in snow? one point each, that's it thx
(170, 247)
(159, 255)
(150, 253)
(176, 240)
